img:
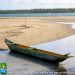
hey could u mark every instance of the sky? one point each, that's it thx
(31, 4)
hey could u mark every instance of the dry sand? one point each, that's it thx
(34, 30)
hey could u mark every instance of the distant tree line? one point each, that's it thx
(56, 10)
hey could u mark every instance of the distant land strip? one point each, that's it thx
(55, 10)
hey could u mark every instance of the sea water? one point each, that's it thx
(36, 14)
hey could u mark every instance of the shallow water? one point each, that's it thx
(36, 14)
(72, 25)
(62, 46)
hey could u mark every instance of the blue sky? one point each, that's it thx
(30, 4)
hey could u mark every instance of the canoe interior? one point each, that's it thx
(39, 50)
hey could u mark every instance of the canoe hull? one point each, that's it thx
(33, 52)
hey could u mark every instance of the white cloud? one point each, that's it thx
(56, 1)
(22, 1)
(24, 4)
(45, 1)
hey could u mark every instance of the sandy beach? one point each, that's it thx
(34, 30)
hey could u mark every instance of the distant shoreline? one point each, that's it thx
(40, 10)
(37, 15)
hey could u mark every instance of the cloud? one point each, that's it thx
(27, 4)
(56, 1)
(22, 1)
(43, 1)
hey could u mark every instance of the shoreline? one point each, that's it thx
(36, 30)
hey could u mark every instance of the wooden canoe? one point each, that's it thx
(55, 57)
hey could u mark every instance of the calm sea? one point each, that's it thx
(36, 14)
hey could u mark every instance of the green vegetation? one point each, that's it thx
(56, 10)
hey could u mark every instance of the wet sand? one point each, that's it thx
(34, 30)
